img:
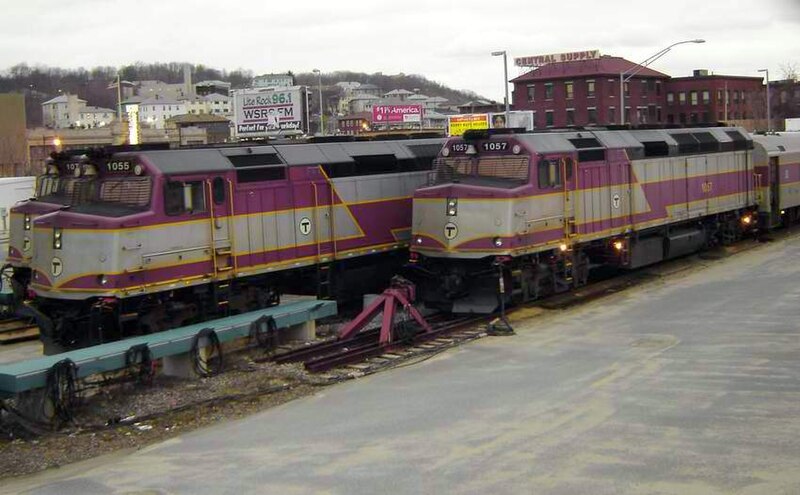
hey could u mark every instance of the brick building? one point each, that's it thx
(586, 92)
(707, 98)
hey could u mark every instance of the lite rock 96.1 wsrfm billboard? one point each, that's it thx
(260, 112)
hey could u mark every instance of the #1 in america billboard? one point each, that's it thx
(260, 112)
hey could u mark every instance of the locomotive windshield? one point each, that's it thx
(70, 191)
(491, 171)
(113, 196)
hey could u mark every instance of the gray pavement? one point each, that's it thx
(685, 386)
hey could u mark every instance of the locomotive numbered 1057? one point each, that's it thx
(158, 239)
(545, 208)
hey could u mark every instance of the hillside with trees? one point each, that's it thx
(40, 83)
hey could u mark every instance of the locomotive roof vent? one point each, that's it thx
(476, 134)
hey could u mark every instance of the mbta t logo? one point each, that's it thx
(450, 231)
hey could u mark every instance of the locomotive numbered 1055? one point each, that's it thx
(545, 208)
(158, 239)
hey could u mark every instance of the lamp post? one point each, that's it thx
(505, 76)
(119, 98)
(308, 111)
(769, 121)
(638, 67)
(321, 123)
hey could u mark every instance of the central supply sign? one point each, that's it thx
(394, 114)
(258, 112)
(458, 124)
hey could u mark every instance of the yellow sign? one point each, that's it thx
(458, 124)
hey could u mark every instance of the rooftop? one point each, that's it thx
(603, 66)
(60, 99)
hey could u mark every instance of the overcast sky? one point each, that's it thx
(446, 41)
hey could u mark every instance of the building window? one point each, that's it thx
(658, 114)
(592, 115)
(719, 96)
(736, 97)
(682, 99)
(693, 118)
(548, 91)
(612, 85)
(627, 89)
(548, 118)
(670, 98)
(612, 112)
(570, 116)
(658, 88)
(704, 117)
(568, 89)
(645, 85)
(682, 118)
(670, 119)
(590, 88)
(531, 91)
(719, 116)
(693, 97)
(706, 97)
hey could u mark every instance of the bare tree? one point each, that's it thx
(790, 71)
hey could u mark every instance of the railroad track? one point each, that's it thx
(16, 330)
(366, 350)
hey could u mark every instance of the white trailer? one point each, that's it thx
(12, 190)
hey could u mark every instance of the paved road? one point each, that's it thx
(689, 386)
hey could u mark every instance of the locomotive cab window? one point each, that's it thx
(549, 173)
(218, 190)
(184, 197)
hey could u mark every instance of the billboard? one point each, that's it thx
(516, 118)
(457, 124)
(260, 112)
(551, 58)
(396, 114)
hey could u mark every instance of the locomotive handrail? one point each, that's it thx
(545, 219)
(213, 227)
(317, 226)
(232, 227)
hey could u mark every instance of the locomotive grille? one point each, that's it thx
(126, 191)
(499, 170)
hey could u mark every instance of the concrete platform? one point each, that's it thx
(31, 374)
(687, 385)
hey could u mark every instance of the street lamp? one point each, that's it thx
(321, 124)
(505, 76)
(769, 121)
(631, 72)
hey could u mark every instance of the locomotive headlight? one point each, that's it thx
(57, 238)
(445, 151)
(419, 240)
(618, 245)
(563, 247)
(102, 280)
(498, 242)
(27, 222)
(747, 219)
(516, 149)
(452, 207)
(783, 212)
